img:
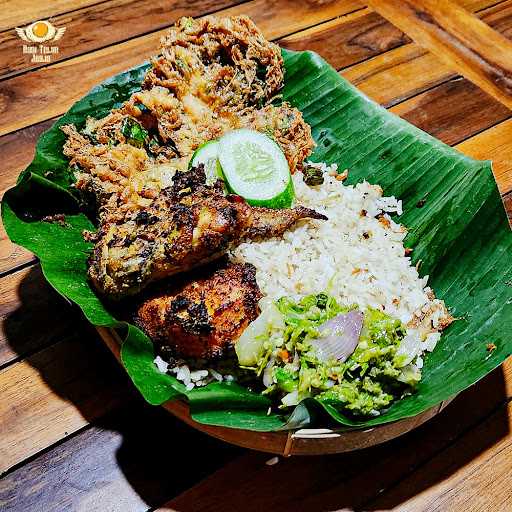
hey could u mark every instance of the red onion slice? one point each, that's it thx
(341, 336)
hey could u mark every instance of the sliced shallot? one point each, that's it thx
(339, 336)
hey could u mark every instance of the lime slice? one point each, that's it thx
(207, 154)
(255, 168)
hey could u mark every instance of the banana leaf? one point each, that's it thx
(452, 208)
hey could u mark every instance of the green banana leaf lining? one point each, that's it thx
(460, 234)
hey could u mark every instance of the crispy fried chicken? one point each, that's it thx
(187, 225)
(201, 318)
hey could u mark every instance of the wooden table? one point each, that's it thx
(74, 435)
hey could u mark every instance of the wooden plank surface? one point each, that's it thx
(70, 381)
(409, 70)
(39, 95)
(55, 392)
(453, 111)
(453, 125)
(21, 12)
(26, 299)
(463, 477)
(461, 40)
(117, 464)
(102, 24)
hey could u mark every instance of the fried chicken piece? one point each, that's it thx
(226, 64)
(203, 317)
(121, 176)
(187, 126)
(185, 226)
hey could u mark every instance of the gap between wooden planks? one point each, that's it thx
(111, 22)
(38, 95)
(44, 431)
(403, 71)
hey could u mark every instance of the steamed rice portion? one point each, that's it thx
(357, 256)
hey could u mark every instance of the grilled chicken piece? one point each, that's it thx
(186, 226)
(200, 319)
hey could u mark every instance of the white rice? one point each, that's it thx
(192, 378)
(357, 256)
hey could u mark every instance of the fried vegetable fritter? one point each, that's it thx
(187, 225)
(224, 63)
(116, 177)
(202, 318)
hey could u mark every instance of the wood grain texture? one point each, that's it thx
(32, 315)
(490, 153)
(103, 24)
(12, 255)
(494, 144)
(116, 465)
(345, 481)
(55, 392)
(47, 92)
(461, 40)
(427, 110)
(453, 111)
(472, 475)
(20, 12)
(117, 459)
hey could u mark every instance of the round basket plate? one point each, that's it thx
(306, 441)
(294, 442)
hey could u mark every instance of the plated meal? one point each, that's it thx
(275, 248)
(248, 262)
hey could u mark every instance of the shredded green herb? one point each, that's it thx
(134, 133)
(278, 348)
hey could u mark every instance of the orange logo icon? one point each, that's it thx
(40, 32)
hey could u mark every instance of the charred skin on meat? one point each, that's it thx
(186, 226)
(204, 317)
